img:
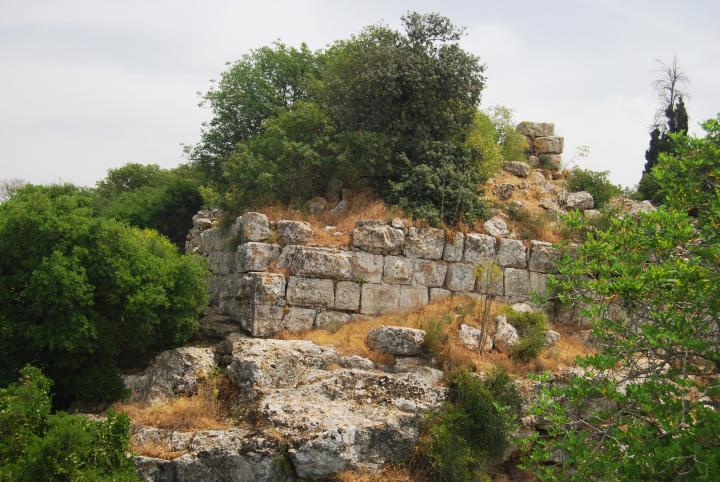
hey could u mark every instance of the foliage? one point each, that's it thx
(37, 445)
(146, 196)
(512, 144)
(531, 327)
(646, 406)
(9, 186)
(594, 182)
(470, 431)
(483, 140)
(80, 294)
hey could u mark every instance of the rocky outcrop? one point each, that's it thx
(396, 340)
(581, 200)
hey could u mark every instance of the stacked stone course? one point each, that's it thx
(269, 287)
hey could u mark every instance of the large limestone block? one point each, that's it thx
(539, 283)
(398, 270)
(310, 292)
(221, 262)
(505, 334)
(294, 232)
(454, 247)
(517, 284)
(379, 298)
(378, 238)
(496, 226)
(297, 319)
(212, 240)
(255, 227)
(543, 257)
(479, 248)
(366, 267)
(326, 319)
(550, 161)
(460, 277)
(396, 340)
(425, 243)
(262, 319)
(472, 338)
(581, 200)
(319, 262)
(512, 253)
(490, 280)
(548, 145)
(252, 256)
(347, 296)
(413, 296)
(429, 273)
(261, 287)
(536, 129)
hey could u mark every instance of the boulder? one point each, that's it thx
(341, 207)
(480, 248)
(496, 226)
(170, 374)
(536, 129)
(505, 334)
(425, 243)
(512, 253)
(397, 223)
(471, 337)
(550, 161)
(521, 308)
(551, 338)
(548, 145)
(396, 340)
(378, 238)
(460, 277)
(252, 256)
(581, 200)
(294, 232)
(543, 257)
(517, 168)
(316, 205)
(504, 191)
(454, 247)
(255, 227)
(310, 292)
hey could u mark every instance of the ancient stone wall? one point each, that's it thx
(265, 276)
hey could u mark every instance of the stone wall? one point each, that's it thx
(266, 278)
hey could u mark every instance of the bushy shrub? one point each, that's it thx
(37, 445)
(80, 294)
(594, 182)
(470, 431)
(531, 327)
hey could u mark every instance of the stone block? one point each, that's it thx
(297, 319)
(548, 145)
(347, 296)
(262, 320)
(512, 253)
(543, 257)
(581, 200)
(365, 267)
(310, 292)
(429, 273)
(496, 226)
(460, 277)
(490, 280)
(550, 161)
(252, 256)
(479, 248)
(454, 247)
(379, 298)
(425, 243)
(398, 270)
(294, 232)
(413, 296)
(519, 169)
(319, 262)
(538, 283)
(261, 287)
(255, 227)
(378, 238)
(212, 240)
(517, 284)
(439, 293)
(221, 262)
(326, 319)
(396, 340)
(536, 129)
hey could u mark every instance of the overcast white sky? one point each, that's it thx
(88, 85)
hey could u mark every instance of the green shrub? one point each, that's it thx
(530, 226)
(531, 327)
(594, 182)
(436, 339)
(469, 432)
(36, 445)
(81, 295)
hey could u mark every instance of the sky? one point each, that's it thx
(90, 85)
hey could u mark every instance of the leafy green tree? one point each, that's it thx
(646, 406)
(37, 445)
(81, 295)
(251, 90)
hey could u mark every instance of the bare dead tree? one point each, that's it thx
(670, 87)
(9, 186)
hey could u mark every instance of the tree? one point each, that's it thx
(9, 186)
(252, 89)
(82, 295)
(646, 405)
(670, 118)
(37, 445)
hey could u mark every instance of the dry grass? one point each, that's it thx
(202, 411)
(156, 449)
(363, 206)
(451, 313)
(388, 474)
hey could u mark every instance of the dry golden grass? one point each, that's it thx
(363, 206)
(350, 338)
(155, 449)
(388, 474)
(202, 411)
